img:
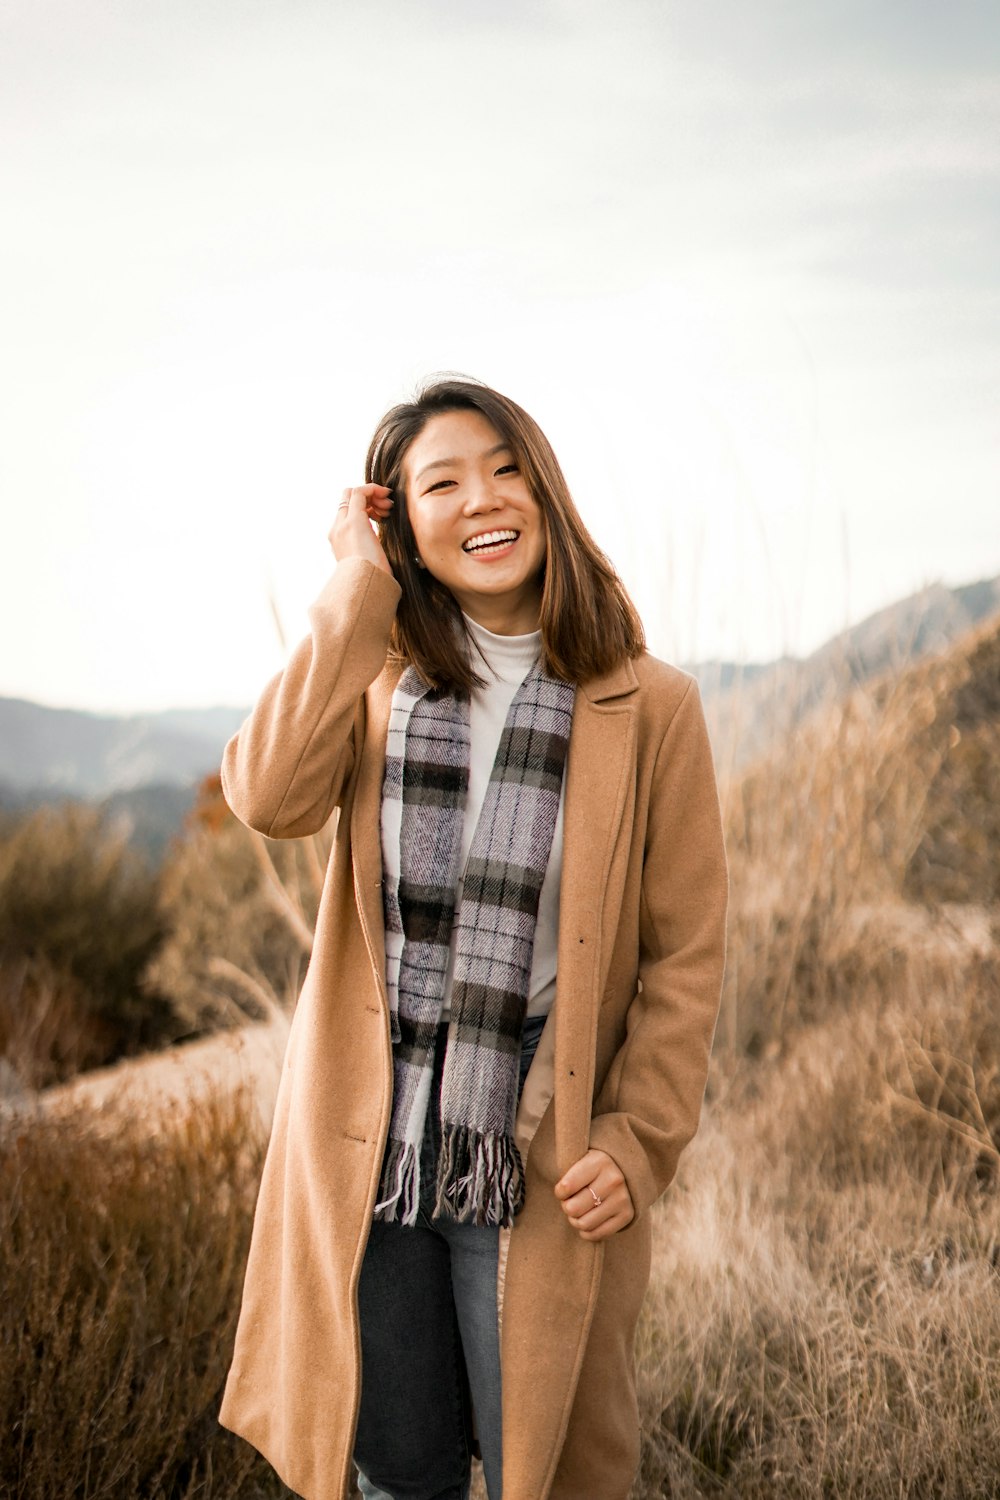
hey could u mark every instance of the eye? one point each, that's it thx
(508, 469)
(437, 485)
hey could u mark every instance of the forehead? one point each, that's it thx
(451, 434)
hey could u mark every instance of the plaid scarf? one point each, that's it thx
(480, 1177)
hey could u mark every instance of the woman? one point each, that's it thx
(461, 1167)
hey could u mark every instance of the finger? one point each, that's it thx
(362, 502)
(594, 1217)
(617, 1211)
(359, 496)
(375, 494)
(350, 504)
(607, 1194)
(581, 1203)
(580, 1175)
(607, 1229)
(598, 1223)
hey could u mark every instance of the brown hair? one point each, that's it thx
(588, 622)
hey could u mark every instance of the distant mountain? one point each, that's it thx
(53, 752)
(212, 724)
(748, 706)
(146, 766)
(143, 769)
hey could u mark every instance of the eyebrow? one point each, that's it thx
(447, 463)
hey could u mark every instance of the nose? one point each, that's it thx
(482, 495)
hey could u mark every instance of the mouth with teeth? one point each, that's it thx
(489, 542)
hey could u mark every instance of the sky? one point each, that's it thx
(741, 262)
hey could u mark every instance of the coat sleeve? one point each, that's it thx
(285, 769)
(657, 1079)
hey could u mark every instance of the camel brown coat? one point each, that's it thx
(621, 1064)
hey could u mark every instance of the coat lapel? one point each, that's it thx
(600, 784)
(366, 820)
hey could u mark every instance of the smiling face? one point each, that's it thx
(476, 525)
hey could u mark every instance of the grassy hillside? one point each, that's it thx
(824, 1315)
(753, 708)
(825, 1318)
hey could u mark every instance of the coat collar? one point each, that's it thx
(617, 683)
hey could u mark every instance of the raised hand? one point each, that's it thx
(594, 1196)
(352, 534)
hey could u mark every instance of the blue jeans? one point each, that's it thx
(430, 1347)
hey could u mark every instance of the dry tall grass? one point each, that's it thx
(101, 958)
(122, 1260)
(78, 926)
(824, 1318)
(824, 1314)
(239, 910)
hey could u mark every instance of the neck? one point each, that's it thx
(505, 616)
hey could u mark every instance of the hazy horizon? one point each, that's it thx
(139, 711)
(740, 265)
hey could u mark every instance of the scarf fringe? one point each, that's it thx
(480, 1177)
(400, 1179)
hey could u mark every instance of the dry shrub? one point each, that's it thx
(829, 825)
(957, 856)
(823, 1318)
(101, 958)
(122, 1261)
(824, 1312)
(79, 924)
(48, 1032)
(240, 910)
